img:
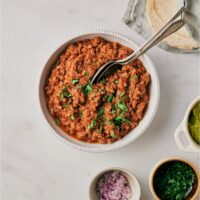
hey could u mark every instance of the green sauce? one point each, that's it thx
(194, 123)
(174, 180)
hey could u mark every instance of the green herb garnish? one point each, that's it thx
(58, 121)
(92, 124)
(99, 89)
(66, 105)
(135, 77)
(103, 81)
(116, 81)
(64, 93)
(122, 94)
(174, 181)
(113, 111)
(88, 88)
(87, 73)
(72, 117)
(109, 98)
(122, 106)
(112, 134)
(101, 112)
(74, 81)
(61, 96)
(117, 121)
(80, 86)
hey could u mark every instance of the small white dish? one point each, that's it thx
(183, 138)
(133, 182)
(133, 134)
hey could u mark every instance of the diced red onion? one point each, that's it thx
(113, 186)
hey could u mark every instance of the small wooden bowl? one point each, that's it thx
(160, 163)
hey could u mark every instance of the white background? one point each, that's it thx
(36, 165)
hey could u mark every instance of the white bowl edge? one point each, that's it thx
(143, 125)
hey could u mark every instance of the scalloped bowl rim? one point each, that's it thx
(134, 133)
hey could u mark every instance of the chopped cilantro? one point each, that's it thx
(119, 119)
(103, 81)
(122, 94)
(80, 86)
(109, 98)
(87, 73)
(113, 111)
(58, 121)
(126, 120)
(61, 96)
(101, 112)
(101, 125)
(135, 77)
(74, 81)
(112, 134)
(92, 124)
(98, 131)
(66, 105)
(122, 106)
(99, 89)
(72, 117)
(64, 93)
(88, 88)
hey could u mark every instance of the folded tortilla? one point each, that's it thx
(160, 12)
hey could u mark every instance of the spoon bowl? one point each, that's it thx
(170, 27)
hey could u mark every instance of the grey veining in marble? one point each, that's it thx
(35, 164)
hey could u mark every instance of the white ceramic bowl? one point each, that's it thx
(186, 143)
(133, 182)
(135, 133)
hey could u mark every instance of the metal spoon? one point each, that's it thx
(170, 27)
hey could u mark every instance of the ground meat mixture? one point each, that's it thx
(100, 113)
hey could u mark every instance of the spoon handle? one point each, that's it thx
(170, 27)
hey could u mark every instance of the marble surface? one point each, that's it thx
(35, 164)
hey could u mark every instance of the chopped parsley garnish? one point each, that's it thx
(58, 121)
(61, 96)
(92, 124)
(87, 73)
(88, 88)
(64, 93)
(109, 98)
(66, 105)
(99, 89)
(101, 125)
(135, 77)
(119, 119)
(122, 94)
(101, 112)
(72, 117)
(116, 81)
(103, 81)
(122, 106)
(112, 134)
(113, 111)
(80, 86)
(174, 180)
(126, 120)
(74, 81)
